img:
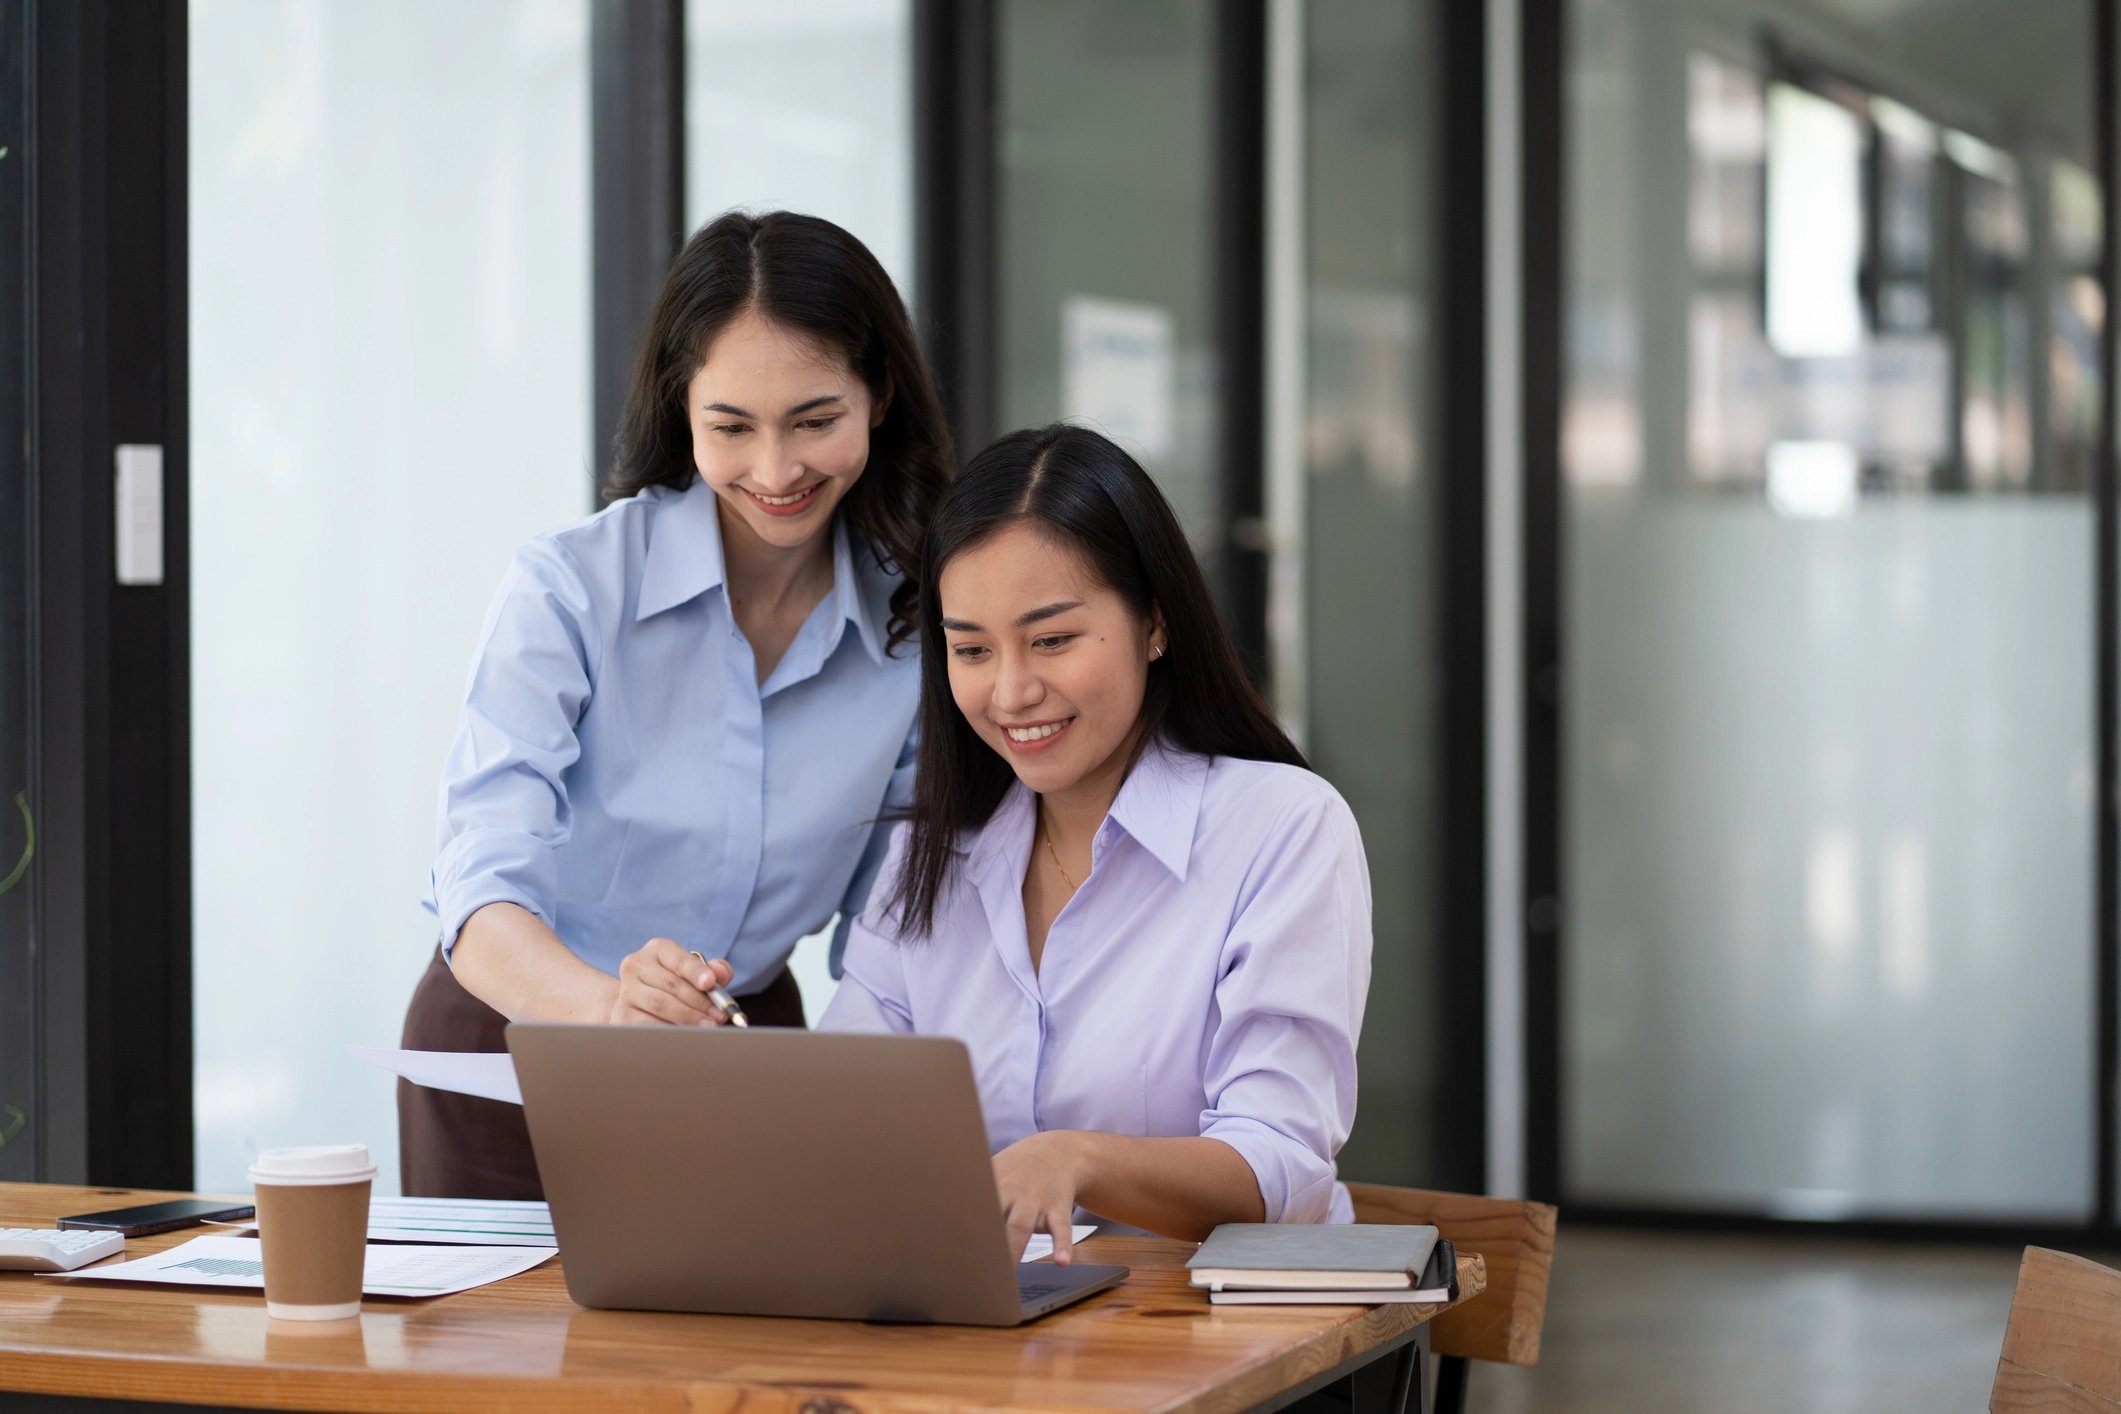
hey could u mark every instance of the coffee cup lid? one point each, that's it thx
(314, 1164)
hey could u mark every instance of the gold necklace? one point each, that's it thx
(1054, 855)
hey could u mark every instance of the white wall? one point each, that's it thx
(390, 385)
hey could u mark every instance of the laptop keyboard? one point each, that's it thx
(1033, 1290)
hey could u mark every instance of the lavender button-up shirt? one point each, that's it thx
(1208, 978)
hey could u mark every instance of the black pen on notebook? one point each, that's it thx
(726, 1004)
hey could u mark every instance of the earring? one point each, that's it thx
(1156, 652)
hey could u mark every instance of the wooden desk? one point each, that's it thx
(521, 1344)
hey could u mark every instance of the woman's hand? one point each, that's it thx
(663, 983)
(1039, 1176)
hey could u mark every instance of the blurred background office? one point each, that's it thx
(1658, 456)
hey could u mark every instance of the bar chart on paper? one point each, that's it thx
(220, 1267)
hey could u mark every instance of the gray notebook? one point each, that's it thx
(1338, 1256)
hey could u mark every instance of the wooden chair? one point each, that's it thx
(2062, 1346)
(1516, 1239)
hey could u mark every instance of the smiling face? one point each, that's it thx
(780, 431)
(1048, 665)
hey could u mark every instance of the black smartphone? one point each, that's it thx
(161, 1217)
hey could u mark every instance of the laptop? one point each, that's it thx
(776, 1173)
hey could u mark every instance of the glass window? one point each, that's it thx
(804, 105)
(1372, 522)
(1106, 243)
(389, 392)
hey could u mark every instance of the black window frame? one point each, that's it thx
(107, 310)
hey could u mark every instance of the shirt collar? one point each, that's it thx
(1158, 806)
(1006, 832)
(1159, 803)
(685, 561)
(849, 591)
(684, 551)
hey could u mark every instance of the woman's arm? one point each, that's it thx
(509, 959)
(1182, 1188)
(1279, 1064)
(505, 810)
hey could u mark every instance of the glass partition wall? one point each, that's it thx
(1112, 309)
(1373, 527)
(1105, 166)
(1829, 600)
(804, 105)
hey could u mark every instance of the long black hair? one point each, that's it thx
(804, 274)
(1077, 487)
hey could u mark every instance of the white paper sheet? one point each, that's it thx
(1042, 1245)
(489, 1075)
(237, 1262)
(488, 1222)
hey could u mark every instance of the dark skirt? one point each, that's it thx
(460, 1146)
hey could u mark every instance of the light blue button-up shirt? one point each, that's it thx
(619, 770)
(1208, 978)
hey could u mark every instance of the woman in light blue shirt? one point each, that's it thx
(689, 713)
(1121, 886)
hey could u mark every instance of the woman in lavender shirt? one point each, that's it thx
(1120, 886)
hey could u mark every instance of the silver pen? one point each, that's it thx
(726, 1004)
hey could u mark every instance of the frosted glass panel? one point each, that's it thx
(1831, 793)
(390, 390)
(1829, 605)
(804, 105)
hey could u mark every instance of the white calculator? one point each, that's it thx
(29, 1249)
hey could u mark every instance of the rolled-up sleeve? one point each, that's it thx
(872, 991)
(504, 808)
(897, 802)
(1280, 1059)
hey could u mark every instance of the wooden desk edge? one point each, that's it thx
(185, 1378)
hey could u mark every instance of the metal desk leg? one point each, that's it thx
(1451, 1380)
(1390, 1383)
(1395, 1385)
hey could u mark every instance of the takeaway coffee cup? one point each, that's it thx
(313, 1223)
